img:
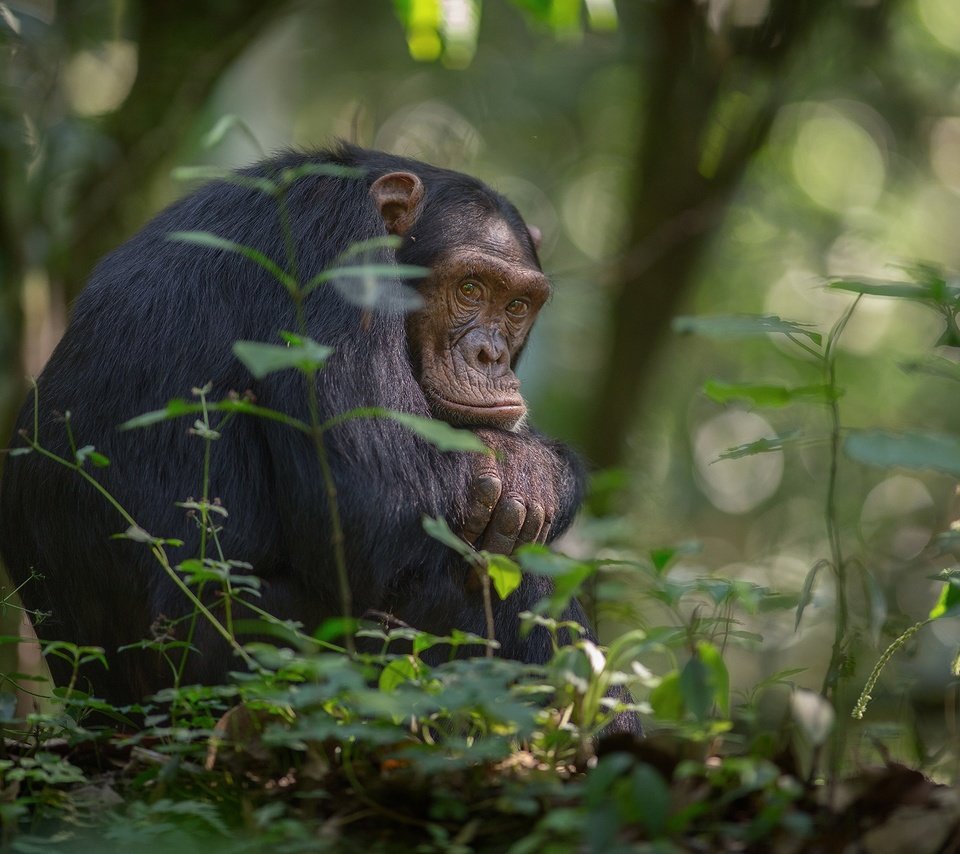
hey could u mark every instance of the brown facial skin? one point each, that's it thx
(480, 304)
(481, 300)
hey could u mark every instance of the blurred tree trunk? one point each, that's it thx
(709, 100)
(12, 168)
(11, 272)
(182, 54)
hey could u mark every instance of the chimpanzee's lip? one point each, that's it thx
(512, 408)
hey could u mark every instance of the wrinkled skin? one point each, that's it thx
(480, 303)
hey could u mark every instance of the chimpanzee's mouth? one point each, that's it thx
(498, 413)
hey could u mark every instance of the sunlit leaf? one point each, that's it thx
(666, 699)
(87, 452)
(504, 573)
(719, 678)
(397, 672)
(924, 451)
(949, 599)
(696, 688)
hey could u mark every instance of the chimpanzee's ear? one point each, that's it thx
(398, 196)
(536, 235)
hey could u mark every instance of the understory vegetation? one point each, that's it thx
(315, 744)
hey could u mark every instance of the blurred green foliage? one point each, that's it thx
(721, 157)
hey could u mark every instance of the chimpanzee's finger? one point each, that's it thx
(545, 530)
(531, 524)
(501, 535)
(482, 498)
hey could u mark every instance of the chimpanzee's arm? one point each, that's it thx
(527, 492)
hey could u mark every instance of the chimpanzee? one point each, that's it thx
(159, 317)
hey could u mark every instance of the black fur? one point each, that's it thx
(159, 317)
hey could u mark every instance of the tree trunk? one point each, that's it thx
(685, 176)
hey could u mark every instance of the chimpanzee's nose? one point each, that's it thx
(487, 351)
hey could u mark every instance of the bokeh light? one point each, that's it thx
(736, 486)
(836, 161)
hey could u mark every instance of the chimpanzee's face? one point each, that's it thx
(481, 298)
(480, 302)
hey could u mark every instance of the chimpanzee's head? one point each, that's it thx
(481, 298)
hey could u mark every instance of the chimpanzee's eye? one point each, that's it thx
(518, 307)
(471, 290)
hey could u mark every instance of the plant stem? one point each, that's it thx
(155, 549)
(837, 653)
(841, 617)
(204, 521)
(317, 427)
(487, 608)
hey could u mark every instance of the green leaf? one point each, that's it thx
(440, 530)
(666, 699)
(216, 173)
(568, 574)
(950, 337)
(742, 326)
(806, 595)
(936, 366)
(262, 359)
(662, 558)
(363, 247)
(883, 288)
(175, 408)
(211, 241)
(924, 451)
(695, 688)
(355, 271)
(768, 395)
(397, 672)
(330, 170)
(948, 600)
(438, 433)
(87, 452)
(504, 573)
(224, 125)
(718, 677)
(651, 799)
(760, 446)
(374, 287)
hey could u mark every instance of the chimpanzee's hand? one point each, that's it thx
(513, 495)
